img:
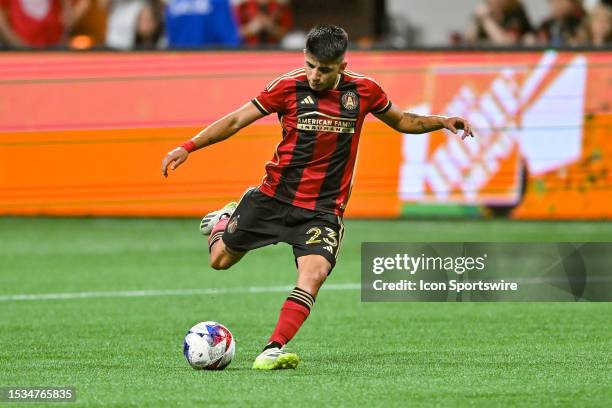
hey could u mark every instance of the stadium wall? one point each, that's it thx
(84, 134)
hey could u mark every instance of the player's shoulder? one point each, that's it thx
(285, 79)
(361, 79)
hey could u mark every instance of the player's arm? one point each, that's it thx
(217, 132)
(407, 122)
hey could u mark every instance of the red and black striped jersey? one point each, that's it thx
(314, 162)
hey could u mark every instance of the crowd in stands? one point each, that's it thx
(186, 24)
(143, 24)
(507, 23)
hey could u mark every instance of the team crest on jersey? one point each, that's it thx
(233, 224)
(350, 101)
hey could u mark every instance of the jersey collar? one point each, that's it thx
(337, 81)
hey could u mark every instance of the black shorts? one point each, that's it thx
(260, 220)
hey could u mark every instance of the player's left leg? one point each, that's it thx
(316, 241)
(312, 272)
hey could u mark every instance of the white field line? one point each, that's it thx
(169, 292)
(551, 280)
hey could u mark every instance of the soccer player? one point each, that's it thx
(321, 108)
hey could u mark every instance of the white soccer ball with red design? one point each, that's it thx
(209, 346)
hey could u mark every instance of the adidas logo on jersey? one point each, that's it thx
(329, 248)
(307, 101)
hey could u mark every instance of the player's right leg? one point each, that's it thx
(214, 224)
(253, 223)
(222, 257)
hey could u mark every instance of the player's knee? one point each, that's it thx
(316, 269)
(219, 263)
(216, 264)
(319, 273)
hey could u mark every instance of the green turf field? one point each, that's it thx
(127, 351)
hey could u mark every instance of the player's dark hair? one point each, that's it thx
(327, 42)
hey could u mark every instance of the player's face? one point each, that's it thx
(322, 75)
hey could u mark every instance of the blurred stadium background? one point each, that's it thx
(91, 102)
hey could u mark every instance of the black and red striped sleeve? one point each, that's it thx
(379, 102)
(273, 98)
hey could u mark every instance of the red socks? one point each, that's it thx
(217, 232)
(294, 312)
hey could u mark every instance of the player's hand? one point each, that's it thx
(174, 159)
(456, 123)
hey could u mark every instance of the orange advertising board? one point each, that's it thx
(84, 134)
(117, 172)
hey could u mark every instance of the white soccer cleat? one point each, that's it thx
(212, 218)
(276, 359)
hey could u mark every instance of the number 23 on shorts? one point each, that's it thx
(325, 234)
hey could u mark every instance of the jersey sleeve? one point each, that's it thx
(272, 99)
(379, 102)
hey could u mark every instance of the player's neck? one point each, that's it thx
(334, 86)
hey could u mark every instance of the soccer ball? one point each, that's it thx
(209, 346)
